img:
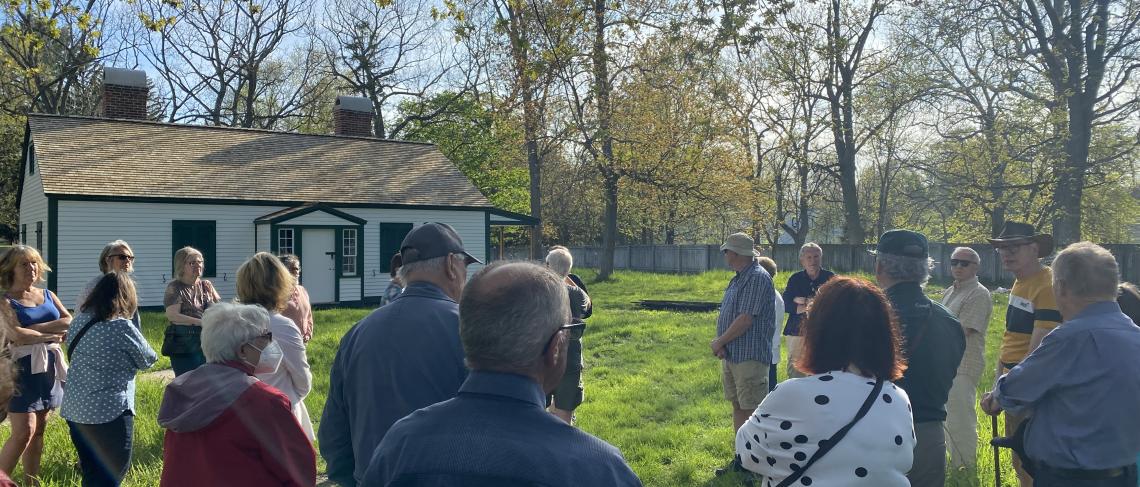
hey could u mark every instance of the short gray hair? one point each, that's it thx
(968, 250)
(906, 269)
(226, 326)
(1087, 270)
(810, 246)
(434, 265)
(506, 324)
(560, 261)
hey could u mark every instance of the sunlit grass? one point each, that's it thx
(652, 386)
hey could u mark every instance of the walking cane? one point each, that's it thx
(997, 455)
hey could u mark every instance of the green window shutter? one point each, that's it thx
(200, 234)
(391, 236)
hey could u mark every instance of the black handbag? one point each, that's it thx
(830, 443)
(181, 340)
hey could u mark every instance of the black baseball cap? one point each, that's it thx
(904, 243)
(432, 240)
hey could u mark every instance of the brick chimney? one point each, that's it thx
(352, 115)
(124, 94)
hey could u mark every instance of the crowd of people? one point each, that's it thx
(97, 354)
(476, 382)
(884, 382)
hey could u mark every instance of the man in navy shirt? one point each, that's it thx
(515, 324)
(402, 357)
(798, 295)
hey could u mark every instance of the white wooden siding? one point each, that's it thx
(34, 208)
(350, 289)
(470, 225)
(317, 218)
(85, 226)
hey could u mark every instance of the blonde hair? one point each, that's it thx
(16, 256)
(769, 265)
(263, 280)
(107, 249)
(181, 257)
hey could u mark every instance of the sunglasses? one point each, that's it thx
(570, 326)
(128, 258)
(960, 263)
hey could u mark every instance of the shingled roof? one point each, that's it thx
(129, 158)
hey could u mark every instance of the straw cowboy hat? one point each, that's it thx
(1022, 233)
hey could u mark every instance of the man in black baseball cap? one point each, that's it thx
(933, 345)
(404, 356)
(432, 240)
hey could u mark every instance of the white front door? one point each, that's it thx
(318, 265)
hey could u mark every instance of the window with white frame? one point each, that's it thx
(284, 241)
(348, 252)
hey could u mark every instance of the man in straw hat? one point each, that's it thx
(1032, 311)
(744, 329)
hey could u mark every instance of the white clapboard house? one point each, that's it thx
(342, 202)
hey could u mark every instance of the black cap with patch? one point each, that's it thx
(432, 240)
(903, 243)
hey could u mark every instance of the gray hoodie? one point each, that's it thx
(195, 399)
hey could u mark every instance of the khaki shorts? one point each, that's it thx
(745, 383)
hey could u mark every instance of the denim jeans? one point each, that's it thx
(185, 362)
(104, 449)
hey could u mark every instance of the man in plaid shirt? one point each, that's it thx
(744, 329)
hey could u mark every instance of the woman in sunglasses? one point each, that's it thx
(223, 425)
(116, 256)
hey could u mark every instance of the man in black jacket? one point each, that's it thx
(569, 394)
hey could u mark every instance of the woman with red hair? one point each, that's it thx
(844, 424)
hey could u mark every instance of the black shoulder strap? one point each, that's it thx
(831, 442)
(79, 335)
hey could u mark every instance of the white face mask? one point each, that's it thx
(270, 359)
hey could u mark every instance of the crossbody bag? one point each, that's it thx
(826, 446)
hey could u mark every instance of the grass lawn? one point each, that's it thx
(652, 386)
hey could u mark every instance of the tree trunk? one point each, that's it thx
(609, 230)
(1071, 174)
(602, 92)
(530, 130)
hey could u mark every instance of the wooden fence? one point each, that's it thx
(679, 259)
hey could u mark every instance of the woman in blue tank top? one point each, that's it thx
(37, 322)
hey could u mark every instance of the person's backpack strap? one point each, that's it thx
(830, 443)
(79, 335)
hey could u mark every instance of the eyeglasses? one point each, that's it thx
(267, 335)
(960, 263)
(128, 258)
(569, 326)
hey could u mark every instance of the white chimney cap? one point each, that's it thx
(124, 77)
(354, 103)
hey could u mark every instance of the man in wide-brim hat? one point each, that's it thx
(1015, 233)
(1032, 311)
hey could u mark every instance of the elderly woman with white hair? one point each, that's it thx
(570, 392)
(223, 425)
